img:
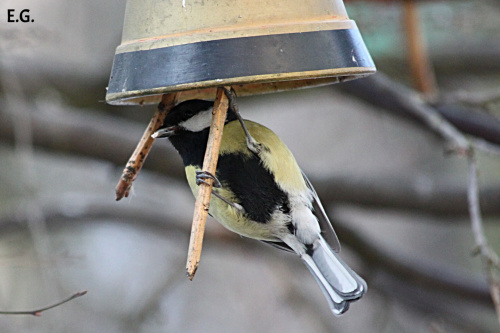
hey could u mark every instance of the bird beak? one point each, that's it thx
(165, 132)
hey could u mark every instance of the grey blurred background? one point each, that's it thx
(396, 199)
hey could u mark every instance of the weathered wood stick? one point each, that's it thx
(205, 190)
(136, 161)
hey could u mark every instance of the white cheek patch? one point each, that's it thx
(198, 122)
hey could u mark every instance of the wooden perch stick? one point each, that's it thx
(136, 161)
(205, 190)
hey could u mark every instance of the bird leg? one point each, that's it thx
(202, 175)
(252, 144)
(200, 178)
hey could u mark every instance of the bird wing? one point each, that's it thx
(280, 245)
(326, 227)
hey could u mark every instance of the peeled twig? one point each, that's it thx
(205, 190)
(136, 161)
(38, 312)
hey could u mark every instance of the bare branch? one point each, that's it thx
(85, 132)
(414, 106)
(423, 274)
(63, 131)
(485, 146)
(472, 121)
(475, 213)
(419, 272)
(429, 196)
(393, 97)
(38, 312)
(477, 98)
(488, 256)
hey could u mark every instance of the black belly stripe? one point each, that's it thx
(253, 184)
(244, 175)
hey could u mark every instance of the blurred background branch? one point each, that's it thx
(38, 312)
(112, 138)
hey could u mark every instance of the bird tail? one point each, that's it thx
(340, 284)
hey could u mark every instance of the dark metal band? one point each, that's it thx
(238, 57)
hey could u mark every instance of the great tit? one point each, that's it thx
(260, 192)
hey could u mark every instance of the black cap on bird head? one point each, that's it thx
(194, 115)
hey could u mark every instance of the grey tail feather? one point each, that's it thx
(340, 284)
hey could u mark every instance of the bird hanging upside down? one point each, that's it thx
(260, 192)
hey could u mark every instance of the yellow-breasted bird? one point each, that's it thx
(260, 192)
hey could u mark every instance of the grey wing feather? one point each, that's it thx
(279, 245)
(326, 227)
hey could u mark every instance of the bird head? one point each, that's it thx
(193, 116)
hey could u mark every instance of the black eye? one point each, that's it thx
(187, 114)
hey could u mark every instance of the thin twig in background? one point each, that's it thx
(459, 144)
(23, 132)
(489, 258)
(485, 146)
(38, 312)
(393, 97)
(429, 116)
(471, 120)
(476, 98)
(462, 146)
